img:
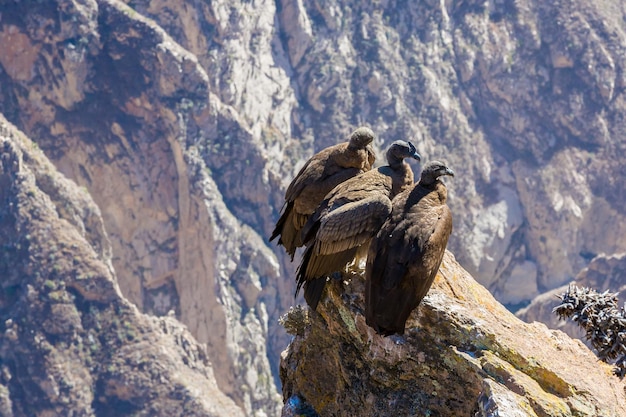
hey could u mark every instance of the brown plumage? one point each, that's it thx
(320, 174)
(349, 217)
(405, 255)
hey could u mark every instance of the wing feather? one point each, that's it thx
(352, 224)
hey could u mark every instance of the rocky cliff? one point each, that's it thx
(463, 354)
(128, 114)
(185, 120)
(70, 343)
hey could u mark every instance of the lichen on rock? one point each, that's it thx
(462, 354)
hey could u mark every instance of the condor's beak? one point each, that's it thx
(413, 151)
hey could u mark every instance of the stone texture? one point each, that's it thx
(70, 343)
(463, 354)
(185, 120)
(139, 130)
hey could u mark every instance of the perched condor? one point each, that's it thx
(405, 255)
(320, 174)
(349, 218)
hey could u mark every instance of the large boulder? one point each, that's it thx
(463, 354)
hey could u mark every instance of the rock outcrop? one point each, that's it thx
(70, 343)
(463, 354)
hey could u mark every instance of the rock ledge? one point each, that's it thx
(463, 354)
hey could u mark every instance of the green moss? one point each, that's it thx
(56, 296)
(346, 317)
(94, 348)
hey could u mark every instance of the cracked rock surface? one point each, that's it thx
(462, 354)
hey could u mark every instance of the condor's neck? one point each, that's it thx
(436, 186)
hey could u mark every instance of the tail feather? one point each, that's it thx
(288, 232)
(388, 311)
(313, 291)
(301, 277)
(314, 269)
(322, 265)
(280, 224)
(313, 286)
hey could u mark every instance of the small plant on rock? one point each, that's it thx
(601, 318)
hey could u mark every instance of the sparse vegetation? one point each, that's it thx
(295, 320)
(601, 318)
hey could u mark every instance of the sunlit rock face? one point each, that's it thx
(71, 344)
(462, 354)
